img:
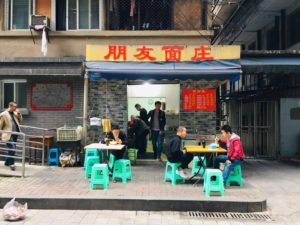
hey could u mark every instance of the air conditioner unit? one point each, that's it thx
(38, 20)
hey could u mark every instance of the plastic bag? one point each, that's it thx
(13, 211)
(67, 159)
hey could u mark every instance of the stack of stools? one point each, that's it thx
(91, 161)
(89, 152)
(122, 170)
(235, 176)
(213, 185)
(100, 176)
(198, 169)
(170, 173)
(132, 154)
(53, 157)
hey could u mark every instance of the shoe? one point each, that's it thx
(182, 174)
(158, 159)
(12, 167)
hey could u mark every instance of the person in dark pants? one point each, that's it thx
(176, 154)
(140, 130)
(157, 126)
(120, 137)
(9, 121)
(235, 155)
(143, 113)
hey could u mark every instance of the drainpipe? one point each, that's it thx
(85, 108)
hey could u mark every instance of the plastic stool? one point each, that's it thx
(122, 169)
(132, 154)
(213, 185)
(171, 173)
(99, 176)
(89, 152)
(53, 156)
(235, 176)
(111, 161)
(91, 160)
(196, 167)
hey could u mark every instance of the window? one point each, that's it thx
(14, 90)
(293, 28)
(82, 14)
(20, 11)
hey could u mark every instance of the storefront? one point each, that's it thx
(192, 72)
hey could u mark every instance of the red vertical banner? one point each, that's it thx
(199, 99)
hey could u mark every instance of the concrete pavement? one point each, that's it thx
(65, 188)
(278, 181)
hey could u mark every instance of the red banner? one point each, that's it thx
(199, 99)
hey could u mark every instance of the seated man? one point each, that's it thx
(120, 137)
(140, 130)
(235, 153)
(176, 154)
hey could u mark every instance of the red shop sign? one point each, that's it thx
(199, 99)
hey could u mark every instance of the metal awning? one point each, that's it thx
(270, 65)
(42, 66)
(208, 70)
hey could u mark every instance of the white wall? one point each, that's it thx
(168, 92)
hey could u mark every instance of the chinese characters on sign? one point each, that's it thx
(199, 99)
(160, 53)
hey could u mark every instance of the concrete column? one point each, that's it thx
(102, 15)
(85, 108)
(1, 15)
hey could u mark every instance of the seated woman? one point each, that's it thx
(119, 136)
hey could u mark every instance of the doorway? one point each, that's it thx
(146, 94)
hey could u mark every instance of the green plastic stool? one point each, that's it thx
(213, 185)
(111, 161)
(91, 160)
(89, 152)
(235, 176)
(122, 169)
(99, 176)
(196, 168)
(132, 154)
(170, 173)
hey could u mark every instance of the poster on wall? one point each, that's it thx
(199, 99)
(51, 96)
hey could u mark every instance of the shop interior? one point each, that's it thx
(146, 94)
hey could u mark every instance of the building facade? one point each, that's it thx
(263, 104)
(36, 81)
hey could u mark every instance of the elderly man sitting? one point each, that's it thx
(176, 154)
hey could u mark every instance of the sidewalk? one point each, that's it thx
(65, 188)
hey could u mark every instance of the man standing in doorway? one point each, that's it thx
(143, 113)
(9, 121)
(157, 126)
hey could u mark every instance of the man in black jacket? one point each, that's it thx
(140, 130)
(176, 154)
(120, 137)
(157, 126)
(143, 113)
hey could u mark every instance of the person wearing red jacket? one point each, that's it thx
(235, 153)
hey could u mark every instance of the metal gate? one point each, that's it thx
(257, 124)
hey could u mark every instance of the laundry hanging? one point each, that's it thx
(132, 7)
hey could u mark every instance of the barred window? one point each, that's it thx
(154, 15)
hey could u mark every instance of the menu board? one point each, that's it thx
(199, 99)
